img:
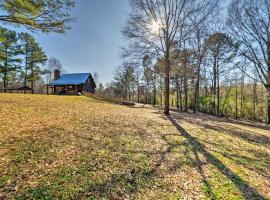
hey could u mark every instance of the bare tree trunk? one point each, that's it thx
(268, 105)
(218, 96)
(138, 88)
(180, 95)
(154, 91)
(185, 85)
(147, 91)
(236, 99)
(167, 85)
(197, 85)
(268, 82)
(214, 86)
(129, 94)
(133, 94)
(155, 96)
(254, 99)
(32, 80)
(161, 97)
(197, 92)
(197, 88)
(242, 92)
(218, 86)
(212, 93)
(186, 94)
(192, 102)
(177, 93)
(161, 91)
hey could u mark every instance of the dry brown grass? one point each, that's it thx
(56, 147)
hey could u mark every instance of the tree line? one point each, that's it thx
(197, 55)
(21, 57)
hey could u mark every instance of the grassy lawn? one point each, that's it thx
(57, 147)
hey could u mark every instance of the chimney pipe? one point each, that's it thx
(56, 74)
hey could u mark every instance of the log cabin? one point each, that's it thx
(71, 84)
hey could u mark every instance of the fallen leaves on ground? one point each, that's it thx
(64, 147)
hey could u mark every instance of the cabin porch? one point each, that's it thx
(65, 89)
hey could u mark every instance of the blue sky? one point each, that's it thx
(93, 44)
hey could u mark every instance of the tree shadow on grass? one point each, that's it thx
(118, 186)
(213, 123)
(249, 163)
(241, 133)
(254, 160)
(124, 185)
(247, 191)
(242, 122)
(250, 124)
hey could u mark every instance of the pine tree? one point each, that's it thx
(220, 49)
(9, 51)
(34, 57)
(147, 76)
(37, 59)
(45, 15)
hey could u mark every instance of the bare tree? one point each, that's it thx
(52, 64)
(96, 78)
(159, 27)
(154, 23)
(249, 23)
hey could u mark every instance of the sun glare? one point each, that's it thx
(155, 26)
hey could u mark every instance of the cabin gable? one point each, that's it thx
(89, 85)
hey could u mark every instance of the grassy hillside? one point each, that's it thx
(82, 148)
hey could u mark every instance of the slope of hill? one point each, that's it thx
(82, 148)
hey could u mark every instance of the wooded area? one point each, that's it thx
(197, 55)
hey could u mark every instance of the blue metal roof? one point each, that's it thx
(71, 79)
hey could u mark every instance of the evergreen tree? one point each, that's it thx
(34, 57)
(147, 76)
(220, 50)
(44, 15)
(9, 51)
(37, 59)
